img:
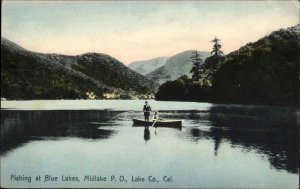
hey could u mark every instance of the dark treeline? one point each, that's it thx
(264, 72)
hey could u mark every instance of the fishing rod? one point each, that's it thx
(126, 112)
(121, 114)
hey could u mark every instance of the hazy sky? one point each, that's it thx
(139, 30)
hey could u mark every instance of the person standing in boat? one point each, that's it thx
(146, 110)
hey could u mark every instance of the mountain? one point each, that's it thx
(30, 75)
(176, 66)
(146, 66)
(262, 72)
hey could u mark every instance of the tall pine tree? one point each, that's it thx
(216, 52)
(197, 65)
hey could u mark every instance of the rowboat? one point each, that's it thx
(158, 123)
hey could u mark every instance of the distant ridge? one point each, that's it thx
(146, 66)
(176, 66)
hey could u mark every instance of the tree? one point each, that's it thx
(197, 63)
(216, 48)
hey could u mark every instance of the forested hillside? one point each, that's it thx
(263, 72)
(30, 75)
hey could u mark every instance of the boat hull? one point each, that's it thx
(159, 123)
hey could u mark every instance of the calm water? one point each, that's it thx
(218, 146)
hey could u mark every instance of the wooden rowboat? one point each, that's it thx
(158, 123)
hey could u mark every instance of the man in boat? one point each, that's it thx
(146, 110)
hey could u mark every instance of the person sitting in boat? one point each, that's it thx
(146, 110)
(155, 116)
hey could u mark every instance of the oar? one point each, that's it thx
(156, 120)
(154, 123)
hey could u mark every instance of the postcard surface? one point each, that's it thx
(150, 94)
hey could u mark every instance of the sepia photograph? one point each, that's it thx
(150, 94)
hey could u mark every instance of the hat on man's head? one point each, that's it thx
(146, 102)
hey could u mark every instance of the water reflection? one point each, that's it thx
(20, 127)
(268, 131)
(146, 134)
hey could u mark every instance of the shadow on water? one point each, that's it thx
(270, 131)
(20, 127)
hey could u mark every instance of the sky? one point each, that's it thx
(141, 30)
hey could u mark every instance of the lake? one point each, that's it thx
(92, 143)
